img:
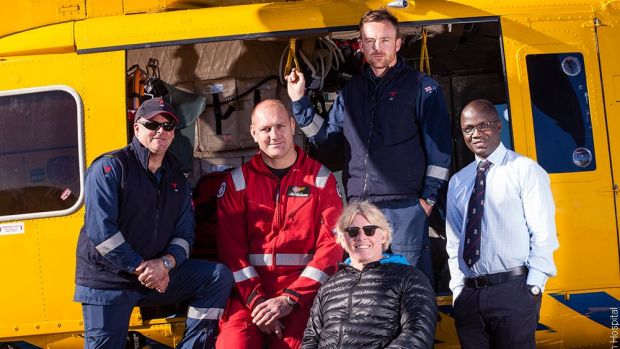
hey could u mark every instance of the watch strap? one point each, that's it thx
(291, 302)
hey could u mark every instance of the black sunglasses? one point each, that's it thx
(369, 230)
(154, 125)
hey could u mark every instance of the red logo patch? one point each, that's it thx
(107, 169)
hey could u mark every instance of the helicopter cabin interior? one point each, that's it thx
(215, 85)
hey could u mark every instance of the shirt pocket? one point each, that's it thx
(260, 216)
(300, 222)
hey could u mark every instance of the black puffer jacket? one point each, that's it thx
(386, 305)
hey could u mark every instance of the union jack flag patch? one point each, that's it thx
(430, 89)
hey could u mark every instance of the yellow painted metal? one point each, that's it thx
(138, 6)
(105, 8)
(106, 27)
(38, 284)
(585, 215)
(36, 305)
(163, 331)
(608, 29)
(49, 39)
(57, 341)
(178, 26)
(575, 192)
(17, 16)
(570, 329)
(275, 17)
(141, 6)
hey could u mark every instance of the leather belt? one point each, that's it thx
(495, 279)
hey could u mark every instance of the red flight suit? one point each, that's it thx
(277, 237)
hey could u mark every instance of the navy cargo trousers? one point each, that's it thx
(205, 285)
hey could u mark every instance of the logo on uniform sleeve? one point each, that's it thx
(298, 191)
(220, 192)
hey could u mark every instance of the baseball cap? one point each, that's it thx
(156, 106)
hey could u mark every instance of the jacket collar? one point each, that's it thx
(387, 259)
(260, 166)
(143, 154)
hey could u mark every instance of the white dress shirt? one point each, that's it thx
(518, 224)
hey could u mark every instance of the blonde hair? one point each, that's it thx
(372, 215)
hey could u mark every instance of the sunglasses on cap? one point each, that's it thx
(154, 125)
(369, 230)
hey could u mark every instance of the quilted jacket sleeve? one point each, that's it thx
(418, 313)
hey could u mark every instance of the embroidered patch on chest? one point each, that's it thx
(298, 191)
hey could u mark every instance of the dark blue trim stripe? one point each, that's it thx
(596, 306)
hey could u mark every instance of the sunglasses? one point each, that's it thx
(369, 230)
(154, 125)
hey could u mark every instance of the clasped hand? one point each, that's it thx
(153, 275)
(266, 315)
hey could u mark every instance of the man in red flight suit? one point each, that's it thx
(276, 216)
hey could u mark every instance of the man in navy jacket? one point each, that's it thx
(393, 123)
(138, 230)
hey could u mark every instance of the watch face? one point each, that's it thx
(167, 263)
(535, 290)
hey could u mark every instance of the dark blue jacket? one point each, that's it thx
(131, 215)
(396, 134)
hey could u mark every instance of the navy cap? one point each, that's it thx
(156, 106)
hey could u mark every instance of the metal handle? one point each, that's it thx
(615, 189)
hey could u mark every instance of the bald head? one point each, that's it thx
(481, 106)
(273, 128)
(481, 127)
(269, 106)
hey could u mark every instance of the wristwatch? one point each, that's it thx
(167, 262)
(535, 290)
(430, 202)
(291, 302)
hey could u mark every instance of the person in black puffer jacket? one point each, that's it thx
(375, 300)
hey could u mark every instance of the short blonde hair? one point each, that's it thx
(372, 215)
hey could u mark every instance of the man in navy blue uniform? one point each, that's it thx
(393, 123)
(138, 230)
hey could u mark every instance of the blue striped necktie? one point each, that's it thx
(471, 250)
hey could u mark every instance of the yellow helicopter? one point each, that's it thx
(72, 72)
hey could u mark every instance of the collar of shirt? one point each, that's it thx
(496, 157)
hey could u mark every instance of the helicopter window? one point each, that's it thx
(562, 121)
(39, 151)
